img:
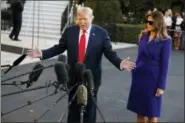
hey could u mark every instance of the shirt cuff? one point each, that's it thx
(41, 55)
(121, 67)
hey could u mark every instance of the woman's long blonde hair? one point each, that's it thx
(159, 25)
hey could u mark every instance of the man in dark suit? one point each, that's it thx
(17, 8)
(84, 43)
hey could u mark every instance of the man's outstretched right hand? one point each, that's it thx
(34, 53)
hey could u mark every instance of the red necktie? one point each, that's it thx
(81, 48)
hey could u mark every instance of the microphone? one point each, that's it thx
(82, 95)
(61, 73)
(62, 76)
(62, 58)
(81, 92)
(79, 69)
(16, 62)
(33, 77)
(88, 78)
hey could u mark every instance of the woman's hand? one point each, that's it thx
(159, 92)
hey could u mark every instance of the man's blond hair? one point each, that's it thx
(86, 10)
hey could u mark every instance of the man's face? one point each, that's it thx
(84, 20)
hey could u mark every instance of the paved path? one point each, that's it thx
(112, 97)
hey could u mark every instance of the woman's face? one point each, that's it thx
(150, 24)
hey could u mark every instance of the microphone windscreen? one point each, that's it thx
(79, 69)
(19, 60)
(61, 73)
(62, 58)
(82, 95)
(88, 77)
(35, 75)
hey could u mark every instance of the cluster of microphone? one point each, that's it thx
(61, 68)
(85, 87)
(83, 81)
(84, 78)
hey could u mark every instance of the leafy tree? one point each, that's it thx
(107, 12)
(90, 3)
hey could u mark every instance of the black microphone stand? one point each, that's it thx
(63, 87)
(27, 90)
(66, 109)
(30, 102)
(82, 110)
(17, 76)
(27, 104)
(15, 63)
(6, 65)
(52, 105)
(14, 83)
(17, 84)
(8, 70)
(94, 102)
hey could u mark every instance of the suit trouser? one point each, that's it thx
(74, 109)
(17, 23)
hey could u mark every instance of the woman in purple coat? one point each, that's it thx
(149, 76)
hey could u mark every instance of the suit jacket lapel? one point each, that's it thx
(76, 41)
(91, 36)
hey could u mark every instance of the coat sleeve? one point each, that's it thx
(109, 53)
(164, 63)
